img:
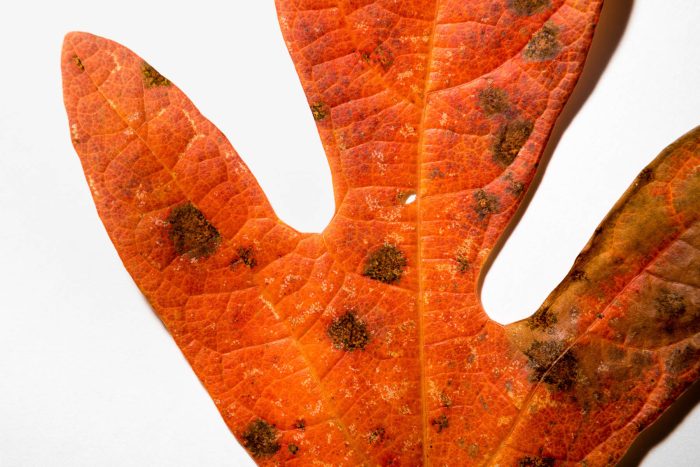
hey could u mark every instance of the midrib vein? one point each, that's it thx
(419, 233)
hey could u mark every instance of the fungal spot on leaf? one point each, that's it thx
(670, 305)
(300, 424)
(542, 319)
(578, 275)
(191, 233)
(78, 63)
(376, 436)
(440, 423)
(261, 439)
(564, 373)
(319, 111)
(515, 187)
(528, 7)
(549, 365)
(386, 264)
(528, 461)
(670, 308)
(486, 203)
(544, 45)
(382, 57)
(462, 263)
(348, 332)
(510, 140)
(293, 448)
(681, 360)
(646, 175)
(245, 256)
(445, 400)
(152, 78)
(493, 100)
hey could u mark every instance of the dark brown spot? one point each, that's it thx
(245, 256)
(564, 373)
(261, 439)
(542, 319)
(462, 263)
(670, 308)
(544, 45)
(486, 203)
(646, 175)
(616, 353)
(348, 332)
(300, 424)
(528, 7)
(293, 448)
(377, 436)
(386, 264)
(510, 140)
(493, 100)
(578, 275)
(319, 111)
(681, 360)
(670, 305)
(549, 365)
(528, 461)
(191, 233)
(440, 423)
(152, 78)
(78, 63)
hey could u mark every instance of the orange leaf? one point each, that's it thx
(367, 344)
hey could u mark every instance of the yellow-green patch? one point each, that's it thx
(319, 111)
(152, 78)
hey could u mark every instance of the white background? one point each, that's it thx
(88, 375)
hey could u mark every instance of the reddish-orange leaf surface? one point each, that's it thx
(367, 344)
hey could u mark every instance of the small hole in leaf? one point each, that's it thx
(410, 199)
